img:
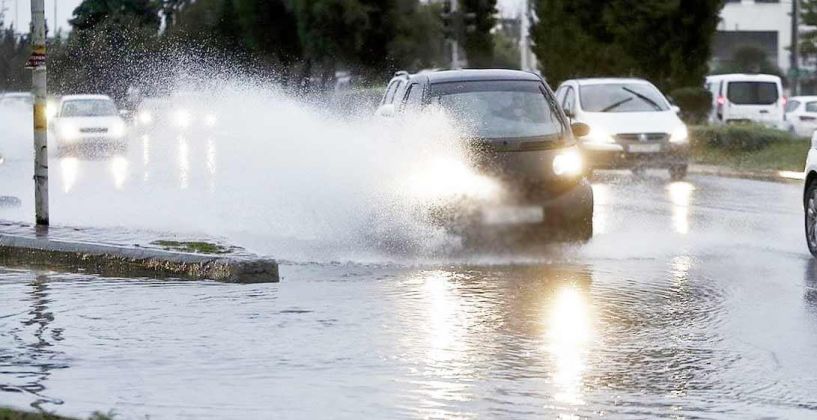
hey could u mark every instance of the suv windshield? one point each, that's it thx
(88, 108)
(752, 93)
(500, 109)
(622, 97)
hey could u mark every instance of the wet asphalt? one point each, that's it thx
(695, 299)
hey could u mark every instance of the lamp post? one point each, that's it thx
(38, 82)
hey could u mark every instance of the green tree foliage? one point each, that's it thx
(14, 51)
(419, 40)
(506, 51)
(479, 43)
(665, 41)
(90, 13)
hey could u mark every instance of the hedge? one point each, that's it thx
(695, 103)
(739, 137)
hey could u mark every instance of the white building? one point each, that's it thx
(762, 23)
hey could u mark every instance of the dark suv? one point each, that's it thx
(519, 137)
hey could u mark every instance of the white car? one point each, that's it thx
(632, 125)
(88, 122)
(801, 115)
(16, 99)
(810, 197)
(746, 98)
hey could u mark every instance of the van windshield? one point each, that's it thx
(501, 109)
(752, 93)
(88, 108)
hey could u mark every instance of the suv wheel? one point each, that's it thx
(811, 217)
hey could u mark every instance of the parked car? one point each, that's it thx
(518, 137)
(810, 197)
(801, 115)
(747, 98)
(88, 122)
(16, 99)
(632, 125)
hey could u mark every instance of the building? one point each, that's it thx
(762, 23)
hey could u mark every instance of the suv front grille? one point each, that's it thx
(642, 137)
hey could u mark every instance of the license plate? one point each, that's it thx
(645, 148)
(512, 215)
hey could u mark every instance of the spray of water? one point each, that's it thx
(276, 174)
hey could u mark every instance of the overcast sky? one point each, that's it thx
(19, 11)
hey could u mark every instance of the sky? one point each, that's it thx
(66, 7)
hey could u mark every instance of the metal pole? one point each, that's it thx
(455, 44)
(38, 81)
(795, 47)
(523, 37)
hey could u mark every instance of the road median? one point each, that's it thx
(128, 254)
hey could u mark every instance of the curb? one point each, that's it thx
(123, 261)
(788, 177)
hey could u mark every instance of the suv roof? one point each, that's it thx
(476, 75)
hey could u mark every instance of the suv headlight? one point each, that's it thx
(568, 163)
(680, 135)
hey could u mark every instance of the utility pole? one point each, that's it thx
(38, 82)
(455, 43)
(794, 68)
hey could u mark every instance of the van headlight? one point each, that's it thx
(598, 135)
(145, 117)
(680, 135)
(568, 163)
(182, 118)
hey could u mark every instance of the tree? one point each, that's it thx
(90, 13)
(479, 42)
(749, 59)
(666, 41)
(419, 40)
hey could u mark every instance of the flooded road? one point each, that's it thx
(695, 299)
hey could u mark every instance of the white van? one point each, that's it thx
(746, 98)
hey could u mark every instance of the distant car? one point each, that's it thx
(178, 113)
(632, 125)
(741, 98)
(16, 99)
(801, 115)
(518, 138)
(88, 122)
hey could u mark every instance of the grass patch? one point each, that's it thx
(748, 147)
(193, 247)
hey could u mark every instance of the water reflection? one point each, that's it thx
(35, 360)
(146, 157)
(811, 282)
(680, 195)
(119, 170)
(568, 337)
(211, 163)
(601, 200)
(69, 166)
(184, 163)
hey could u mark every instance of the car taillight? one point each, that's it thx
(784, 100)
(721, 100)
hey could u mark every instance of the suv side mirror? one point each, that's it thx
(676, 109)
(569, 114)
(386, 111)
(580, 129)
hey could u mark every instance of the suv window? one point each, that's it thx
(752, 93)
(811, 107)
(390, 92)
(414, 96)
(501, 109)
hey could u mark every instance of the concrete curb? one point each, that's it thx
(121, 261)
(771, 176)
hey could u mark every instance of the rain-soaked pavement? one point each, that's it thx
(695, 299)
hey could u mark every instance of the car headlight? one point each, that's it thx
(568, 163)
(69, 131)
(680, 135)
(210, 120)
(182, 118)
(118, 129)
(145, 117)
(598, 135)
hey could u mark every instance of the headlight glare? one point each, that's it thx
(145, 117)
(118, 129)
(69, 131)
(680, 135)
(598, 135)
(182, 118)
(568, 163)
